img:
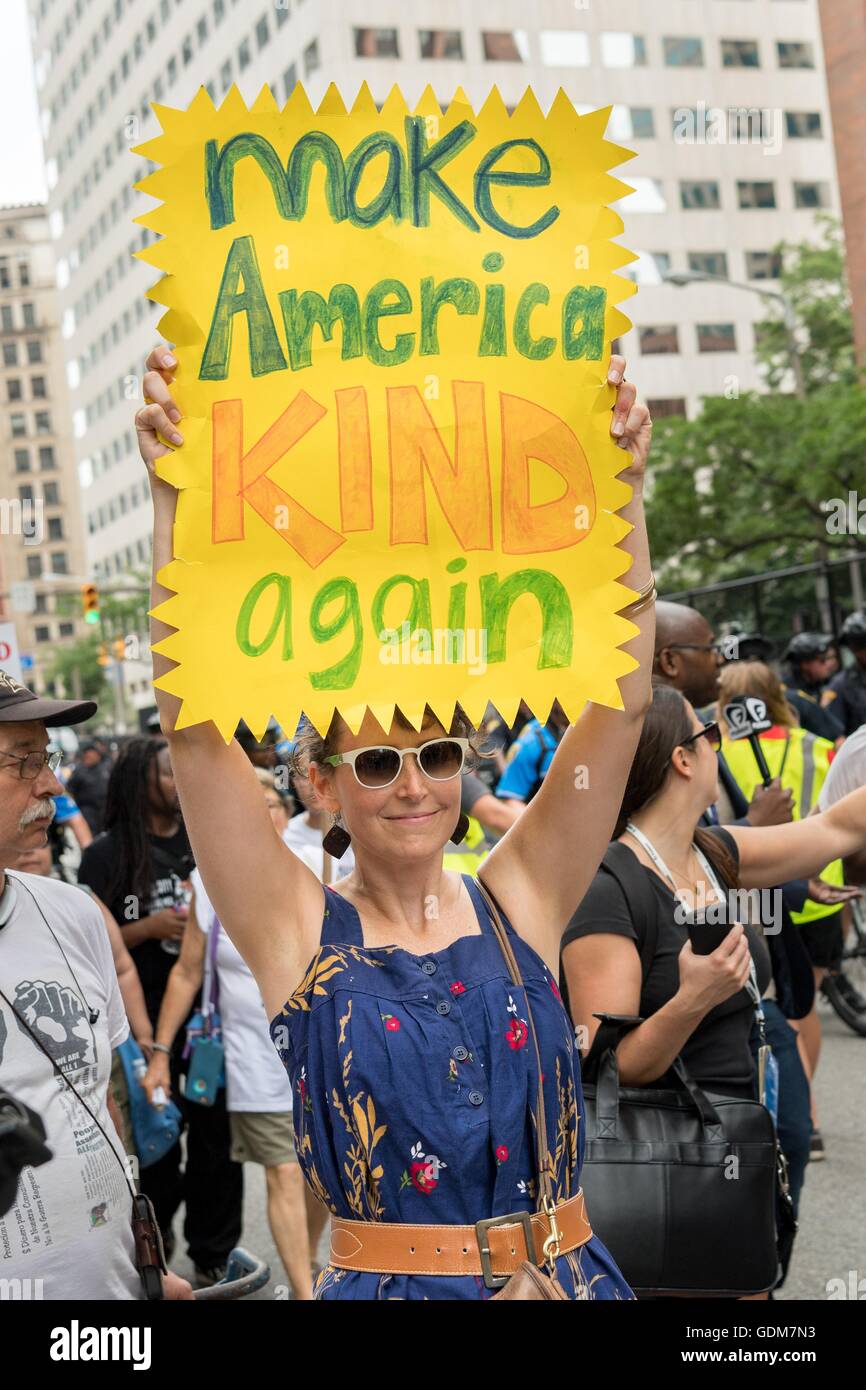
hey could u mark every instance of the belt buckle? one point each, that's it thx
(514, 1218)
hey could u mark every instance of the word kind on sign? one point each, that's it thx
(393, 330)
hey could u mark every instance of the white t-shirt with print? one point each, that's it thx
(847, 771)
(256, 1079)
(70, 1225)
(306, 842)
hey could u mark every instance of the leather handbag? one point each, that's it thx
(681, 1183)
(531, 1283)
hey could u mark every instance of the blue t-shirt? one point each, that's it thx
(534, 753)
(65, 809)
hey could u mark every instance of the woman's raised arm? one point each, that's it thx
(776, 853)
(542, 867)
(268, 900)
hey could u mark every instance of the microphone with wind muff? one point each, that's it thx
(746, 717)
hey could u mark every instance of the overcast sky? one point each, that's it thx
(22, 178)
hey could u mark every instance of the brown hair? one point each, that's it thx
(755, 678)
(666, 727)
(311, 747)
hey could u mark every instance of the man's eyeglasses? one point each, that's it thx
(33, 763)
(711, 732)
(693, 647)
(440, 759)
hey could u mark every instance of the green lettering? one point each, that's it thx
(266, 355)
(343, 673)
(302, 313)
(485, 175)
(290, 186)
(375, 308)
(390, 196)
(282, 612)
(464, 295)
(420, 613)
(584, 305)
(424, 164)
(557, 625)
(493, 342)
(534, 348)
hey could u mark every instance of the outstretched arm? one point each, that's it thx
(775, 853)
(269, 902)
(542, 867)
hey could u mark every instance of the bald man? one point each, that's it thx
(687, 656)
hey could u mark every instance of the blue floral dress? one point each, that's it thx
(413, 1080)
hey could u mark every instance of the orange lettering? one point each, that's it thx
(531, 432)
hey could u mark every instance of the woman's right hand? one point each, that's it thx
(157, 1074)
(706, 981)
(167, 925)
(160, 416)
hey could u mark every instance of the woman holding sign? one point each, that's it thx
(437, 1092)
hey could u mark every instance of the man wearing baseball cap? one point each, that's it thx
(60, 1017)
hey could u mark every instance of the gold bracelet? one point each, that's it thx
(646, 597)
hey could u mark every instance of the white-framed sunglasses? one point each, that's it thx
(440, 759)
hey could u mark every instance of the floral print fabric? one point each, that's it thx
(414, 1081)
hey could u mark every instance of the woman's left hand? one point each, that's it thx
(631, 425)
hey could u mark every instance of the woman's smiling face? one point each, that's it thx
(414, 817)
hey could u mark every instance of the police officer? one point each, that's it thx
(810, 658)
(846, 695)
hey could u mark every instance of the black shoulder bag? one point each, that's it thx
(680, 1185)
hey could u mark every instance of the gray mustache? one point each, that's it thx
(37, 811)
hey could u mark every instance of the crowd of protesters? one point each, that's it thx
(273, 895)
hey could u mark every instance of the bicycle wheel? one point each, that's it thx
(853, 968)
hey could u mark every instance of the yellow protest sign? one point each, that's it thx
(397, 483)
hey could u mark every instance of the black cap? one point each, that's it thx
(18, 705)
(804, 645)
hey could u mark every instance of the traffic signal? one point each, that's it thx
(103, 654)
(118, 649)
(90, 603)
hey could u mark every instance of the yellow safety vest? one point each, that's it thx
(472, 852)
(805, 769)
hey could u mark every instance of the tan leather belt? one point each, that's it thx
(494, 1248)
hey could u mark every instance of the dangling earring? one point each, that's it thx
(460, 829)
(337, 840)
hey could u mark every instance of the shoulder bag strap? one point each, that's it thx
(545, 1176)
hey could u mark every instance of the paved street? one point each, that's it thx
(832, 1237)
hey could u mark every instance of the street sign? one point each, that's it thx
(27, 662)
(23, 596)
(10, 661)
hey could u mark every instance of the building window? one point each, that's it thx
(23, 274)
(709, 263)
(564, 48)
(282, 12)
(6, 321)
(5, 274)
(10, 354)
(34, 350)
(47, 461)
(376, 43)
(803, 125)
(22, 460)
(648, 196)
(683, 53)
(631, 123)
(43, 422)
(38, 387)
(716, 337)
(25, 493)
(740, 53)
(67, 629)
(795, 55)
(650, 268)
(312, 61)
(42, 634)
(226, 74)
(34, 566)
(29, 313)
(55, 528)
(290, 80)
(666, 406)
(262, 31)
(756, 195)
(186, 50)
(18, 424)
(441, 43)
(42, 603)
(505, 46)
(763, 265)
(623, 50)
(811, 195)
(59, 562)
(244, 55)
(698, 193)
(219, 11)
(13, 389)
(657, 340)
(51, 493)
